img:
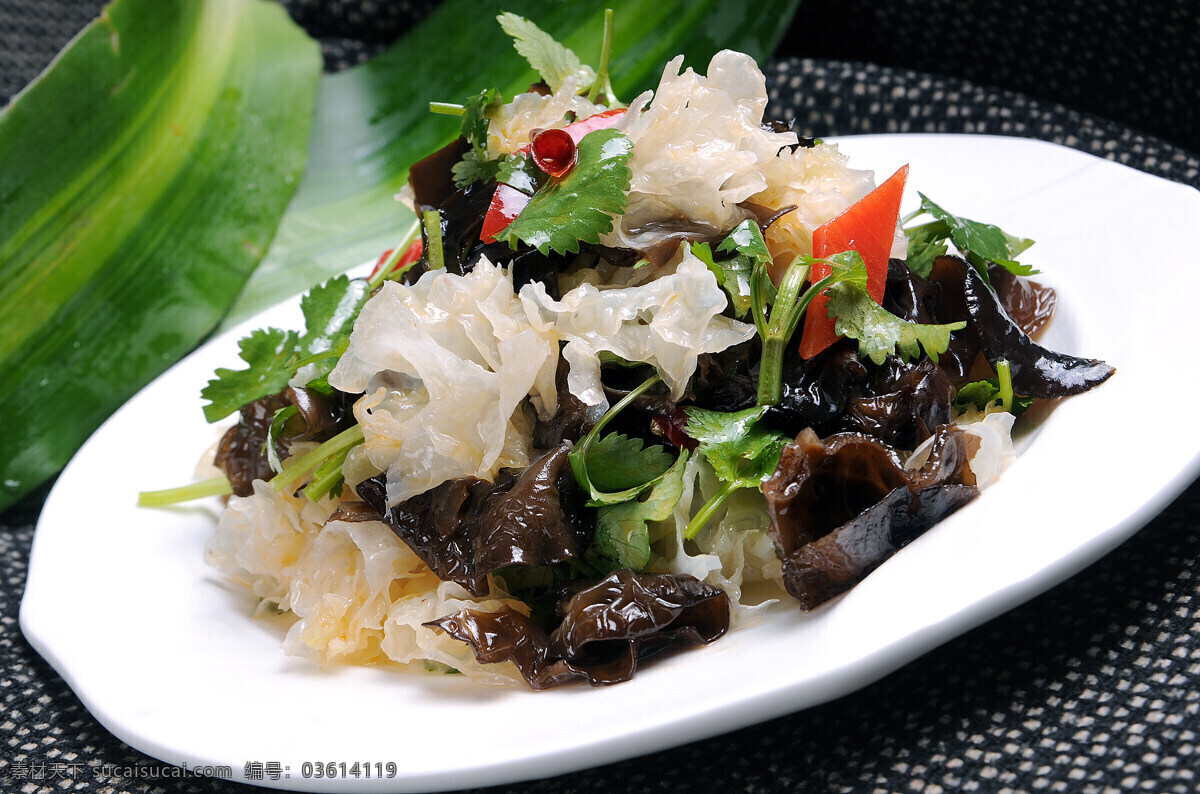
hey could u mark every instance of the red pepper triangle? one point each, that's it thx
(867, 226)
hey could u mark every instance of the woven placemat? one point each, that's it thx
(1093, 686)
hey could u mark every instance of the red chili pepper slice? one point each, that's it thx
(867, 226)
(554, 152)
(507, 203)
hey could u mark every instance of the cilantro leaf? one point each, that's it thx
(519, 171)
(581, 205)
(476, 117)
(274, 356)
(878, 331)
(269, 352)
(553, 61)
(980, 394)
(644, 468)
(330, 310)
(733, 276)
(622, 538)
(747, 240)
(741, 449)
(474, 168)
(618, 463)
(926, 243)
(981, 242)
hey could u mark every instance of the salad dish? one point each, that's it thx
(646, 372)
(168, 653)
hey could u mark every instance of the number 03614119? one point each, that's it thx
(342, 769)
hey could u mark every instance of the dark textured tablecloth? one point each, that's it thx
(1093, 686)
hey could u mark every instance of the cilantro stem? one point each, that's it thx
(327, 476)
(778, 329)
(447, 109)
(334, 352)
(785, 317)
(904, 221)
(217, 486)
(602, 83)
(433, 234)
(711, 506)
(295, 468)
(1004, 381)
(640, 389)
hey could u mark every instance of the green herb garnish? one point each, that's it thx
(984, 393)
(788, 306)
(645, 465)
(878, 331)
(553, 61)
(275, 355)
(622, 538)
(979, 242)
(742, 451)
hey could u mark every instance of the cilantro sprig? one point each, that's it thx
(742, 451)
(979, 242)
(477, 111)
(274, 355)
(734, 274)
(614, 468)
(580, 206)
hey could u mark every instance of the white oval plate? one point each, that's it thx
(164, 651)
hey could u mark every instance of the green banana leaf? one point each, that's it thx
(373, 121)
(142, 178)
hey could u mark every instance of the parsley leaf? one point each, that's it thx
(581, 205)
(878, 331)
(741, 449)
(622, 538)
(979, 242)
(553, 61)
(274, 355)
